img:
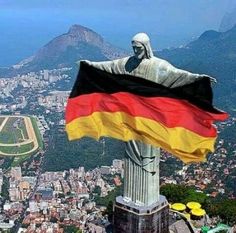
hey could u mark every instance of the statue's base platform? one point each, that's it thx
(130, 218)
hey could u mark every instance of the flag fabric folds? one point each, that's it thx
(180, 120)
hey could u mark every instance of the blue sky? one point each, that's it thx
(26, 25)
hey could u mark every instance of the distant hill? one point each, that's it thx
(228, 21)
(63, 154)
(63, 51)
(213, 53)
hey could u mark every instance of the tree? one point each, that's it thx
(192, 195)
(5, 188)
(61, 195)
(182, 193)
(97, 190)
(109, 211)
(104, 201)
(174, 193)
(227, 211)
(71, 229)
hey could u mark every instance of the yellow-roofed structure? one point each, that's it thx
(178, 207)
(198, 212)
(193, 205)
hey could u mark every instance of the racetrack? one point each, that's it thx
(31, 137)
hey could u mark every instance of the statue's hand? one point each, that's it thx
(212, 80)
(85, 61)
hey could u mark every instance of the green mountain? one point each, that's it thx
(213, 53)
(79, 43)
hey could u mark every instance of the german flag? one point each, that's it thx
(179, 120)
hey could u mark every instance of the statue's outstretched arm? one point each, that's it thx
(102, 65)
(177, 77)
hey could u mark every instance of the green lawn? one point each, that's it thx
(17, 149)
(11, 133)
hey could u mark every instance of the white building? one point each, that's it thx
(16, 173)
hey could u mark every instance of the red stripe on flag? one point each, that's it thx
(168, 111)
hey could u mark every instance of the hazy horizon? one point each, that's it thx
(28, 25)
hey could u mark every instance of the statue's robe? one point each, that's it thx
(141, 181)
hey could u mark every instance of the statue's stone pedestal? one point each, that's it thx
(130, 218)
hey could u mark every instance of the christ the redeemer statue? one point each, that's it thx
(141, 171)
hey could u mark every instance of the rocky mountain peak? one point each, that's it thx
(83, 34)
(76, 29)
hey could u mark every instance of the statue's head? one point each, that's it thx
(141, 46)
